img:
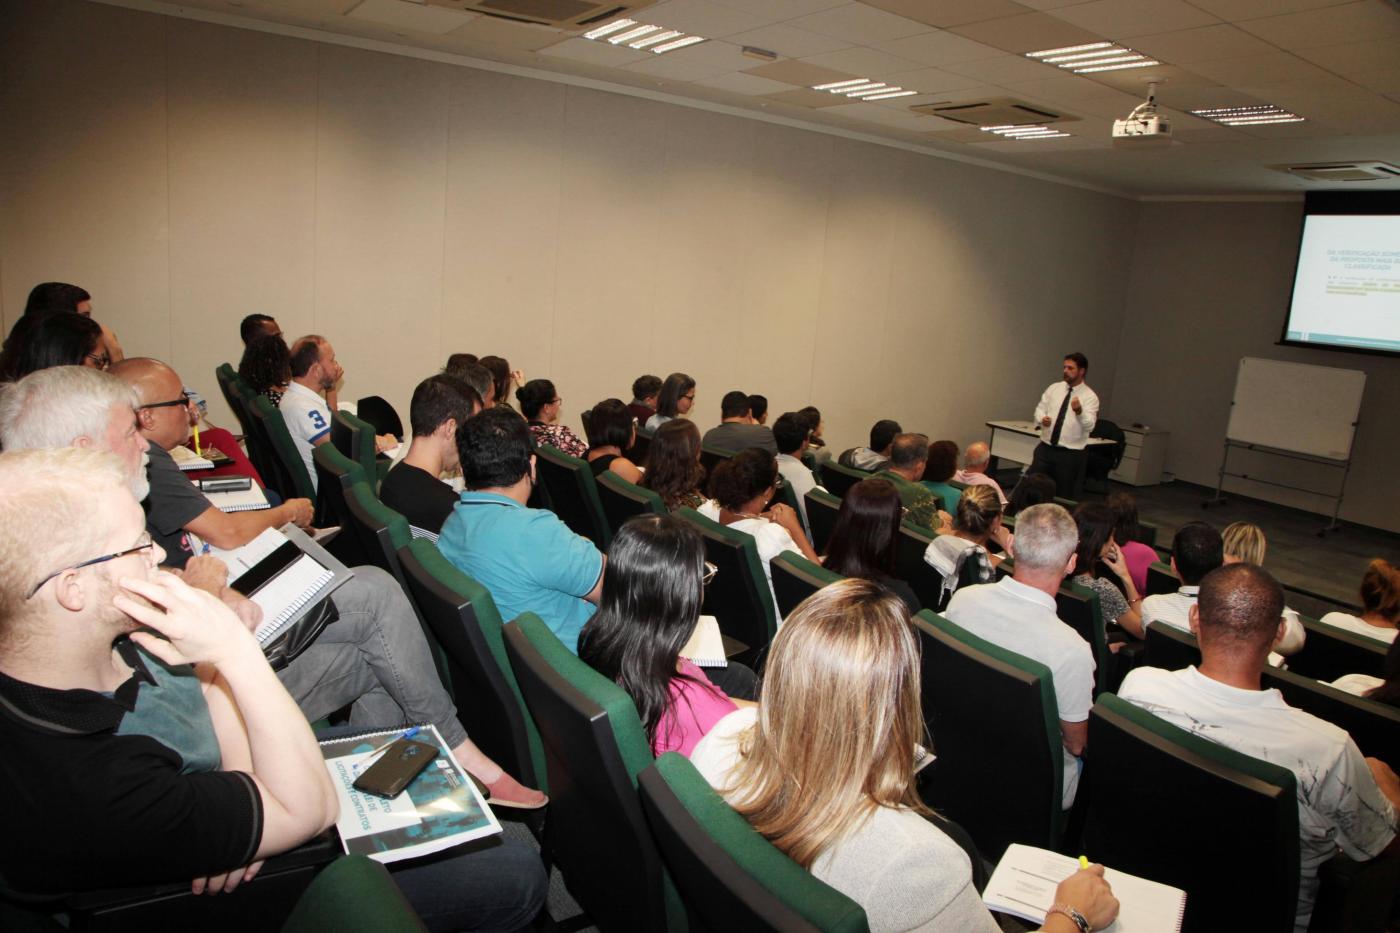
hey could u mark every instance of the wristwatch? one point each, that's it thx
(1074, 915)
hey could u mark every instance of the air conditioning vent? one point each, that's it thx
(1344, 171)
(562, 14)
(1002, 111)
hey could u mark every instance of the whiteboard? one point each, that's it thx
(1296, 407)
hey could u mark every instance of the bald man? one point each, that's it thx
(1344, 800)
(974, 469)
(175, 508)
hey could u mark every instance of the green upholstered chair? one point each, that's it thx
(910, 566)
(335, 474)
(996, 730)
(1372, 725)
(1160, 579)
(839, 479)
(738, 597)
(1078, 607)
(1148, 533)
(573, 494)
(822, 509)
(1332, 652)
(354, 438)
(710, 457)
(1169, 648)
(622, 500)
(227, 378)
(353, 894)
(375, 411)
(1165, 804)
(795, 578)
(594, 748)
(788, 497)
(285, 458)
(729, 876)
(464, 621)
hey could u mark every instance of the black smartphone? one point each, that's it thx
(396, 768)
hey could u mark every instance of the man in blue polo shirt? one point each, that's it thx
(527, 558)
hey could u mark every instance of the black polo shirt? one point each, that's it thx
(95, 800)
(418, 496)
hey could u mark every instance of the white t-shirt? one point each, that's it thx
(771, 539)
(1022, 619)
(308, 420)
(1353, 624)
(1339, 803)
(904, 871)
(796, 474)
(1174, 609)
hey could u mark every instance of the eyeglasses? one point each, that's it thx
(710, 571)
(691, 396)
(144, 546)
(101, 362)
(183, 400)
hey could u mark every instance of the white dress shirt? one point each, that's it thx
(1074, 434)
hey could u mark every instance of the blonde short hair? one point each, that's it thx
(1245, 542)
(979, 507)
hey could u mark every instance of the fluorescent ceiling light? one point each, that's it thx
(863, 89)
(1254, 115)
(1093, 57)
(886, 95)
(654, 38)
(635, 35)
(631, 34)
(608, 29)
(1025, 132)
(835, 84)
(678, 44)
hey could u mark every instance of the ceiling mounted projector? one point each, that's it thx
(1144, 127)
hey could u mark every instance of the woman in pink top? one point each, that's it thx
(1136, 555)
(652, 590)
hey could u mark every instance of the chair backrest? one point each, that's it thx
(573, 494)
(286, 459)
(738, 597)
(464, 620)
(1148, 533)
(1192, 788)
(1374, 726)
(1332, 652)
(710, 457)
(910, 566)
(1160, 579)
(1169, 648)
(335, 474)
(594, 748)
(729, 876)
(1078, 607)
(637, 453)
(379, 415)
(622, 500)
(996, 730)
(355, 439)
(795, 578)
(353, 894)
(788, 497)
(382, 531)
(839, 479)
(822, 509)
(227, 378)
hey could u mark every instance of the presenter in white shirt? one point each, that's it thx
(1066, 414)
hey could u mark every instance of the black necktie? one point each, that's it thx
(1060, 419)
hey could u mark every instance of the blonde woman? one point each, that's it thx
(1245, 544)
(824, 769)
(977, 521)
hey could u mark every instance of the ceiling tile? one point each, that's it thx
(595, 53)
(1353, 22)
(1205, 98)
(1202, 44)
(1049, 4)
(1003, 70)
(1060, 86)
(789, 42)
(933, 80)
(881, 115)
(1136, 80)
(1027, 33)
(798, 73)
(1211, 134)
(780, 10)
(1373, 64)
(431, 19)
(1114, 106)
(489, 30)
(938, 48)
(868, 63)
(1116, 19)
(1273, 68)
(1235, 10)
(859, 23)
(740, 83)
(700, 17)
(805, 97)
(676, 67)
(944, 13)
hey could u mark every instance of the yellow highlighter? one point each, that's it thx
(198, 453)
(1083, 861)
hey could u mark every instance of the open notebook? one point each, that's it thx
(1025, 880)
(238, 500)
(285, 573)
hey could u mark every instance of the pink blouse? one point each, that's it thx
(696, 705)
(1138, 556)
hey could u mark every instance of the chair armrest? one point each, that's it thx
(1354, 895)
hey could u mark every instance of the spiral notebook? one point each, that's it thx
(285, 573)
(251, 499)
(1026, 877)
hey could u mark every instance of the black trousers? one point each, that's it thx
(1064, 466)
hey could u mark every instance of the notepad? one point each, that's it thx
(187, 460)
(706, 646)
(284, 572)
(1025, 880)
(251, 499)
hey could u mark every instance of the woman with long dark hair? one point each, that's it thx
(673, 468)
(1099, 552)
(611, 430)
(653, 587)
(676, 398)
(502, 375)
(865, 539)
(539, 403)
(42, 341)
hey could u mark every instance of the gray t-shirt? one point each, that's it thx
(734, 436)
(174, 502)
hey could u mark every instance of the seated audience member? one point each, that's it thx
(1197, 549)
(736, 431)
(645, 390)
(792, 435)
(673, 468)
(1127, 534)
(977, 521)
(1380, 604)
(43, 341)
(267, 366)
(1343, 799)
(1243, 542)
(676, 398)
(414, 487)
(939, 468)
(1099, 552)
(57, 297)
(908, 452)
(611, 431)
(652, 591)
(503, 376)
(842, 802)
(816, 444)
(176, 509)
(258, 325)
(975, 461)
(310, 398)
(374, 656)
(1381, 689)
(865, 539)
(1018, 613)
(527, 558)
(876, 457)
(457, 360)
(1033, 489)
(474, 375)
(539, 403)
(741, 487)
(758, 408)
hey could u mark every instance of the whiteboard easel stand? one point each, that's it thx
(1343, 465)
